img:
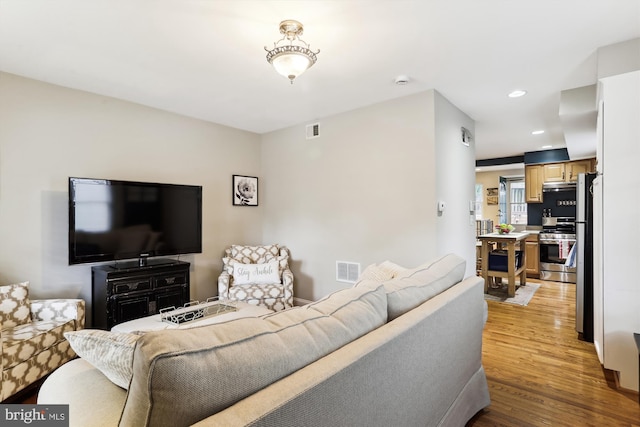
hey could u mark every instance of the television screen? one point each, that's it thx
(112, 220)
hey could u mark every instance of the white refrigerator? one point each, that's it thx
(616, 198)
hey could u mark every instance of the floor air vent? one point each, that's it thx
(347, 271)
(313, 130)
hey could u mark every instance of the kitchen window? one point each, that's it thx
(513, 208)
(516, 201)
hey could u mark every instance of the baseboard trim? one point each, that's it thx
(613, 381)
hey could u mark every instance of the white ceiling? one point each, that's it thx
(206, 59)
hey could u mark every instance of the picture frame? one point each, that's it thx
(244, 190)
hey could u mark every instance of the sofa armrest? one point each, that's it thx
(59, 309)
(287, 281)
(287, 278)
(224, 282)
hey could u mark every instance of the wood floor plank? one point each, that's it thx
(541, 374)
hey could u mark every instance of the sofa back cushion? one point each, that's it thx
(411, 287)
(15, 307)
(182, 376)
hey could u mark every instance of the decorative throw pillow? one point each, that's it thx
(392, 268)
(15, 307)
(110, 352)
(245, 274)
(375, 273)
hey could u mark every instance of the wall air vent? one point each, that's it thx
(347, 271)
(313, 130)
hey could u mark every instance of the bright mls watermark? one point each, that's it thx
(34, 415)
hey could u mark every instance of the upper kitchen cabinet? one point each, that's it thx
(554, 172)
(568, 171)
(572, 169)
(533, 180)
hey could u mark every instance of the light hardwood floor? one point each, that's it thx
(540, 374)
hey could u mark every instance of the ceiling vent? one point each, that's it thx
(313, 130)
(347, 271)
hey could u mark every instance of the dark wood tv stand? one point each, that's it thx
(125, 291)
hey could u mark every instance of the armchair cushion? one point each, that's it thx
(254, 254)
(14, 305)
(24, 341)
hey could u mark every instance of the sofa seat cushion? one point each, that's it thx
(183, 376)
(23, 342)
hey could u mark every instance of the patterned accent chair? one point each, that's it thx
(244, 276)
(32, 344)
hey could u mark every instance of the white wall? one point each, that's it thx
(365, 190)
(48, 133)
(619, 58)
(455, 182)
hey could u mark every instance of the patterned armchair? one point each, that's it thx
(258, 275)
(32, 344)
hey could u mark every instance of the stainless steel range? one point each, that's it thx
(556, 241)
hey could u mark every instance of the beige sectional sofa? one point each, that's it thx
(400, 348)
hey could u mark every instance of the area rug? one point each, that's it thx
(523, 294)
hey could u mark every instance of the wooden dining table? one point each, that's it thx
(512, 271)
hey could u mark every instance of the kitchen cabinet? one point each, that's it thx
(572, 169)
(567, 171)
(554, 172)
(532, 249)
(533, 180)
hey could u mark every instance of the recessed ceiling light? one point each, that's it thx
(517, 93)
(547, 146)
(537, 132)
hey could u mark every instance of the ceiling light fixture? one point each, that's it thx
(537, 132)
(402, 80)
(517, 93)
(291, 55)
(546, 146)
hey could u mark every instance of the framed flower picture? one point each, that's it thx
(245, 190)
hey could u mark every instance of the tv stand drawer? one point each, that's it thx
(171, 280)
(131, 286)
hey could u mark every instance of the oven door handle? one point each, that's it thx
(556, 242)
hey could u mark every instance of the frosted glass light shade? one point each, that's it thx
(291, 64)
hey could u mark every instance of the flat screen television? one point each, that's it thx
(113, 220)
